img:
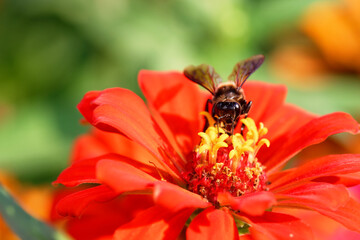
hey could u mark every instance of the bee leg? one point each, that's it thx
(209, 101)
(246, 111)
(243, 125)
(234, 122)
(232, 127)
(218, 122)
(247, 107)
(207, 105)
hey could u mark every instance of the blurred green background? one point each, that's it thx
(53, 52)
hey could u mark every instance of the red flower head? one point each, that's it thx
(152, 172)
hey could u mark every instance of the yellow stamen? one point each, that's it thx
(262, 142)
(209, 118)
(205, 138)
(262, 130)
(249, 144)
(211, 142)
(215, 138)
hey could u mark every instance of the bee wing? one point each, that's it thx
(203, 75)
(244, 69)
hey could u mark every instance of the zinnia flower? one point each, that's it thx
(343, 17)
(330, 44)
(152, 171)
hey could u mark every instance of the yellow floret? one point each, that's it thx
(211, 142)
(249, 144)
(215, 138)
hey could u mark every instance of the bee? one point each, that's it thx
(228, 102)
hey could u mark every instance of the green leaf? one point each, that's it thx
(23, 224)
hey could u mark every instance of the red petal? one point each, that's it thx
(253, 204)
(105, 143)
(79, 172)
(86, 107)
(325, 166)
(277, 226)
(286, 120)
(75, 203)
(102, 219)
(123, 177)
(316, 131)
(266, 98)
(179, 102)
(110, 237)
(120, 110)
(87, 146)
(174, 198)
(348, 180)
(345, 234)
(269, 108)
(212, 224)
(154, 223)
(325, 195)
(100, 143)
(245, 237)
(84, 171)
(347, 215)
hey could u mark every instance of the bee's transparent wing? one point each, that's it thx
(244, 69)
(203, 75)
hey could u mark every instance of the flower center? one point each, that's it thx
(223, 163)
